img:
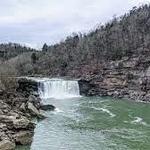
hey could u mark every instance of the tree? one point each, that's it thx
(45, 48)
(33, 58)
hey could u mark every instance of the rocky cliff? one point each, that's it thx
(126, 78)
(17, 109)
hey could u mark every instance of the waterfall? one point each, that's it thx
(58, 88)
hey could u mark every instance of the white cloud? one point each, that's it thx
(39, 21)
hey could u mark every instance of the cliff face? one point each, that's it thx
(127, 78)
(16, 127)
(17, 109)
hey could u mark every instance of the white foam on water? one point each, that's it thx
(138, 120)
(58, 110)
(105, 110)
(126, 133)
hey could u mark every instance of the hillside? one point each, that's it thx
(128, 35)
(125, 36)
(10, 50)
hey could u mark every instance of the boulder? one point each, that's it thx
(23, 107)
(113, 82)
(15, 124)
(6, 119)
(7, 145)
(47, 107)
(2, 87)
(130, 64)
(84, 86)
(34, 111)
(35, 93)
(23, 137)
(148, 72)
(27, 85)
(21, 123)
(34, 100)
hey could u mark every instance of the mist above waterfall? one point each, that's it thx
(58, 88)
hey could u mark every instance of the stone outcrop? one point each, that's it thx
(13, 122)
(27, 86)
(23, 137)
(7, 145)
(126, 78)
(16, 113)
(34, 111)
(47, 107)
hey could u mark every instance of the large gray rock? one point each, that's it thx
(130, 64)
(15, 124)
(47, 107)
(22, 107)
(2, 87)
(34, 100)
(84, 86)
(6, 119)
(34, 111)
(23, 137)
(27, 85)
(7, 145)
(148, 72)
(21, 123)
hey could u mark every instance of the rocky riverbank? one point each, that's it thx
(17, 111)
(127, 78)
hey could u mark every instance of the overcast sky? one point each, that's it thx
(34, 22)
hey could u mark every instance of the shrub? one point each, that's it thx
(8, 75)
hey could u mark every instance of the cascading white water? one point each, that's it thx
(58, 88)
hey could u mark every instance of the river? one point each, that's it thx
(93, 123)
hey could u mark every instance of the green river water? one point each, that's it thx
(93, 123)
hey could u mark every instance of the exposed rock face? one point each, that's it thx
(127, 78)
(21, 123)
(27, 86)
(16, 113)
(33, 110)
(23, 137)
(7, 145)
(12, 122)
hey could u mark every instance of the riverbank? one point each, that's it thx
(17, 111)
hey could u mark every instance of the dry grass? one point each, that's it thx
(7, 76)
(14, 67)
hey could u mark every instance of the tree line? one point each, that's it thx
(128, 35)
